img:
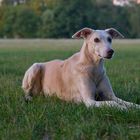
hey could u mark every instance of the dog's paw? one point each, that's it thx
(28, 98)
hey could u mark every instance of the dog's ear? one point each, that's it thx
(114, 33)
(83, 33)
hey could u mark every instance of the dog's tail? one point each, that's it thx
(31, 83)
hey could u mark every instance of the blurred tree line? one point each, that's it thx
(62, 18)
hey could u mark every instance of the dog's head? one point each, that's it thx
(99, 41)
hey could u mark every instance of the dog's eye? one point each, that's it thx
(97, 40)
(109, 39)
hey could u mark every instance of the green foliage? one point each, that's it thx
(9, 21)
(37, 5)
(134, 20)
(70, 18)
(63, 21)
(27, 23)
(61, 18)
(46, 29)
(1, 21)
(21, 22)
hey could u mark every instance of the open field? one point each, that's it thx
(59, 120)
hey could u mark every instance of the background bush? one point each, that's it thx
(61, 18)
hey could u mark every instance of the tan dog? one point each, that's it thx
(81, 77)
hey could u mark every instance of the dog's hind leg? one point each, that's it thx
(31, 83)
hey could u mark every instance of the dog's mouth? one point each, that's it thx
(109, 56)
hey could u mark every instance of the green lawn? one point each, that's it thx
(59, 120)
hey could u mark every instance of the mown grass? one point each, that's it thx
(58, 120)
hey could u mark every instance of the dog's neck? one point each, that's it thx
(87, 57)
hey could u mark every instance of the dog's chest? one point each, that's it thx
(95, 73)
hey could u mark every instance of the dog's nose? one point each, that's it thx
(111, 51)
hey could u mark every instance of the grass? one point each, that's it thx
(58, 120)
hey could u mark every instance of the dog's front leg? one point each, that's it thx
(125, 103)
(105, 87)
(87, 91)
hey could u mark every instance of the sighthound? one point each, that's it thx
(80, 78)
